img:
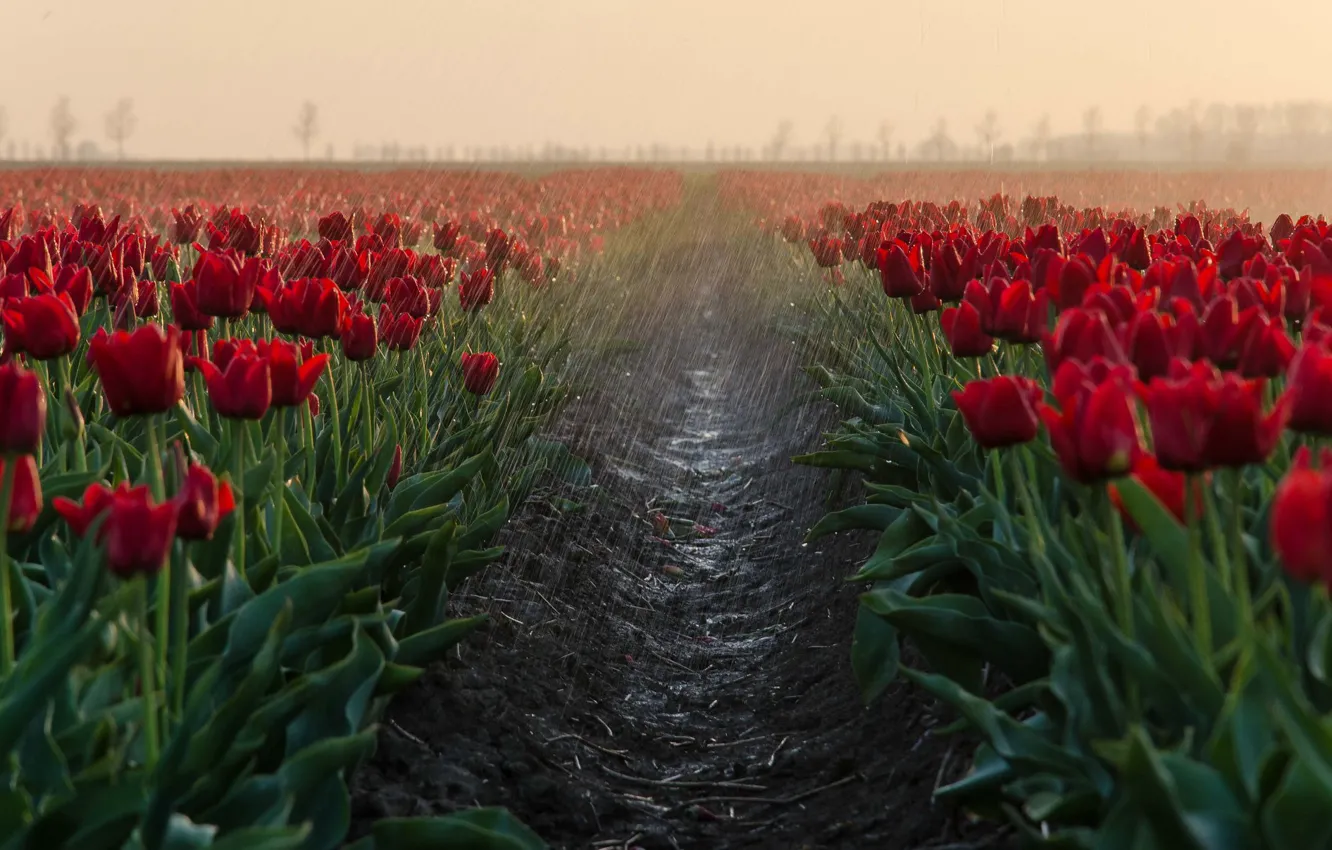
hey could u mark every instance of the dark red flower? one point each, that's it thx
(477, 289)
(1000, 411)
(80, 515)
(1202, 418)
(311, 307)
(360, 336)
(25, 500)
(1152, 340)
(1081, 335)
(1094, 432)
(902, 273)
(1309, 385)
(1165, 485)
(293, 374)
(227, 285)
(22, 410)
(1020, 316)
(480, 371)
(138, 532)
(42, 326)
(241, 390)
(201, 503)
(185, 307)
(141, 372)
(962, 328)
(1301, 523)
(399, 331)
(395, 468)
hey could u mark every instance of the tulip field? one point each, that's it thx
(416, 509)
(1094, 447)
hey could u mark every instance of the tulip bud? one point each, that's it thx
(71, 424)
(395, 468)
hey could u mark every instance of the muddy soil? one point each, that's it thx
(680, 682)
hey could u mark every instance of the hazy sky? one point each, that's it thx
(226, 78)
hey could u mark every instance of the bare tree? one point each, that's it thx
(1142, 122)
(307, 126)
(1091, 128)
(939, 145)
(1040, 139)
(120, 123)
(781, 140)
(1247, 119)
(63, 126)
(834, 133)
(886, 140)
(987, 131)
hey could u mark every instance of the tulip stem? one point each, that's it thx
(1239, 565)
(158, 485)
(279, 477)
(367, 412)
(337, 423)
(1199, 603)
(1035, 541)
(1124, 588)
(180, 625)
(6, 600)
(147, 686)
(238, 489)
(307, 436)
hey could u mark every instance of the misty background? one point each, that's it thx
(668, 80)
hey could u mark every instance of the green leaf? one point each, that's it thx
(427, 607)
(874, 654)
(477, 829)
(873, 517)
(423, 647)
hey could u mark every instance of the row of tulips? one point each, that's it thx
(1096, 460)
(220, 558)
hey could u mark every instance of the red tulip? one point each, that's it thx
(293, 374)
(1309, 385)
(25, 499)
(1081, 335)
(1202, 419)
(962, 329)
(185, 307)
(141, 372)
(1001, 411)
(1301, 523)
(22, 410)
(1095, 433)
(480, 371)
(901, 273)
(43, 326)
(201, 504)
(477, 289)
(243, 390)
(313, 402)
(227, 285)
(226, 349)
(138, 532)
(1165, 485)
(399, 331)
(80, 515)
(1020, 316)
(360, 336)
(1152, 340)
(1267, 351)
(310, 307)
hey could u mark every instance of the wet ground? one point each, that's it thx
(669, 666)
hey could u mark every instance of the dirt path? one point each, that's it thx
(690, 688)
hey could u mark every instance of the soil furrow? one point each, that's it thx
(685, 686)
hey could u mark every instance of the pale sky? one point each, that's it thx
(225, 79)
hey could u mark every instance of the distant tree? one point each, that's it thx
(988, 133)
(1040, 139)
(1247, 120)
(885, 137)
(120, 124)
(938, 146)
(4, 129)
(307, 126)
(1091, 128)
(833, 133)
(1301, 123)
(1142, 120)
(781, 140)
(1197, 134)
(63, 125)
